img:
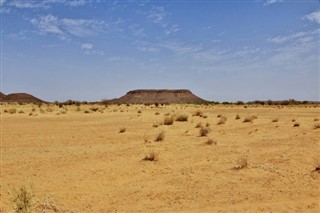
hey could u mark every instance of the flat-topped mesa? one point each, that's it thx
(143, 96)
(159, 91)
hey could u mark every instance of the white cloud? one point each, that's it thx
(47, 24)
(268, 2)
(313, 17)
(82, 27)
(68, 27)
(77, 3)
(27, 4)
(45, 4)
(87, 46)
(157, 15)
(295, 37)
(89, 49)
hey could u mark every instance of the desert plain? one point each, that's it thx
(96, 158)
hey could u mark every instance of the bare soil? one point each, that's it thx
(83, 162)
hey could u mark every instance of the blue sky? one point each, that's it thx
(221, 50)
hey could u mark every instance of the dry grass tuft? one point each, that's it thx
(152, 156)
(275, 120)
(21, 112)
(199, 125)
(210, 142)
(157, 113)
(86, 111)
(222, 120)
(122, 130)
(249, 119)
(159, 137)
(168, 120)
(316, 126)
(182, 118)
(204, 131)
(237, 117)
(10, 111)
(146, 138)
(293, 120)
(198, 113)
(22, 199)
(316, 119)
(296, 124)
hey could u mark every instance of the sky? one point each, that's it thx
(227, 50)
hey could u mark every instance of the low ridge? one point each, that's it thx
(20, 98)
(142, 96)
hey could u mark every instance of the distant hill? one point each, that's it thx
(20, 98)
(143, 96)
(2, 96)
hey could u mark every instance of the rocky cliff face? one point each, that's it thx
(142, 96)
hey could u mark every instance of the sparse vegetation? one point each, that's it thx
(296, 124)
(199, 125)
(222, 120)
(249, 119)
(210, 142)
(238, 117)
(275, 120)
(152, 156)
(182, 118)
(168, 120)
(94, 109)
(122, 130)
(159, 137)
(316, 126)
(22, 199)
(198, 113)
(10, 111)
(204, 131)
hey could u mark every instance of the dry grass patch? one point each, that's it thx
(159, 137)
(222, 120)
(199, 125)
(198, 113)
(204, 131)
(316, 126)
(22, 199)
(275, 120)
(10, 111)
(210, 142)
(238, 117)
(122, 130)
(296, 124)
(249, 119)
(151, 156)
(182, 118)
(168, 120)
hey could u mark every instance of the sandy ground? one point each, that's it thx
(84, 164)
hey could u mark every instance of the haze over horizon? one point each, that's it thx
(220, 50)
